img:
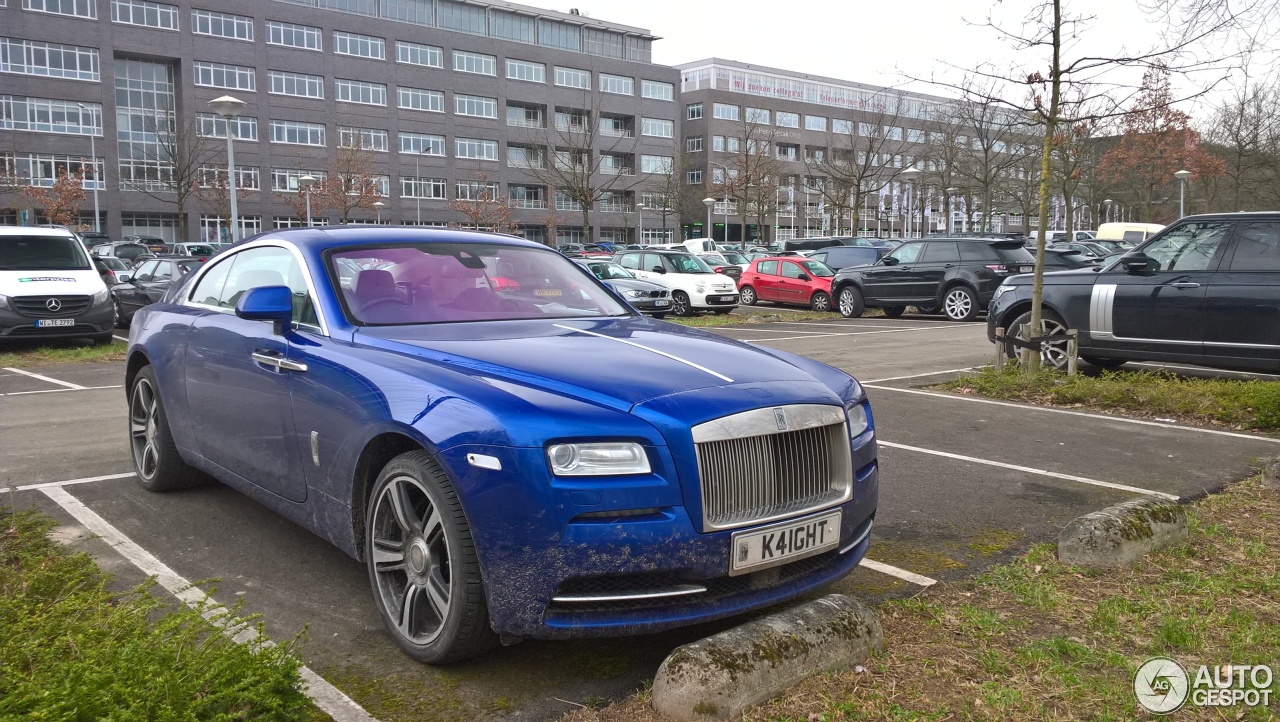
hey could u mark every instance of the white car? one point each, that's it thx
(694, 286)
(50, 289)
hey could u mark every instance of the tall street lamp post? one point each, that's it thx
(93, 159)
(640, 224)
(709, 202)
(378, 206)
(1182, 177)
(304, 184)
(229, 107)
(1107, 214)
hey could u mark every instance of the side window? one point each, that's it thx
(209, 289)
(819, 257)
(163, 272)
(941, 252)
(146, 271)
(630, 260)
(791, 270)
(1189, 247)
(906, 253)
(1257, 247)
(255, 268)
(977, 252)
(769, 268)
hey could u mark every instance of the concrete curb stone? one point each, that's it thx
(1122, 534)
(1271, 473)
(720, 676)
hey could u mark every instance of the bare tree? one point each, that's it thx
(298, 200)
(171, 163)
(944, 157)
(354, 183)
(214, 190)
(1244, 132)
(866, 156)
(752, 175)
(483, 206)
(991, 135)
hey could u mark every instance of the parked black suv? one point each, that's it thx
(958, 275)
(1205, 290)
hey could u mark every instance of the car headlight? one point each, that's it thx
(4, 301)
(1001, 290)
(859, 420)
(598, 459)
(101, 296)
(637, 294)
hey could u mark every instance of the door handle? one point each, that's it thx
(277, 362)
(949, 265)
(1184, 285)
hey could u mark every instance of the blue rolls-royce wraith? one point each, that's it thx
(512, 450)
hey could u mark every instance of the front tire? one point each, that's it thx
(960, 304)
(155, 456)
(680, 304)
(747, 295)
(659, 316)
(850, 302)
(1052, 355)
(893, 311)
(422, 563)
(820, 302)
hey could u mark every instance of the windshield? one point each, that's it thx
(609, 271)
(42, 253)
(451, 282)
(733, 257)
(817, 269)
(713, 258)
(688, 263)
(199, 249)
(130, 251)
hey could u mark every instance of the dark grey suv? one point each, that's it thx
(957, 275)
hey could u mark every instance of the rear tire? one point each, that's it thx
(931, 310)
(893, 311)
(960, 304)
(155, 456)
(820, 302)
(850, 302)
(747, 295)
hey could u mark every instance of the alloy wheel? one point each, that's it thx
(144, 424)
(846, 302)
(1053, 354)
(958, 304)
(411, 560)
(680, 304)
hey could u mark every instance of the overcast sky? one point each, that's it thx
(884, 43)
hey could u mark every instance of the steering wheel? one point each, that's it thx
(370, 305)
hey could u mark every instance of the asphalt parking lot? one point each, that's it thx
(965, 483)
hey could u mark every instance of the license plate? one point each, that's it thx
(1026, 269)
(547, 292)
(719, 298)
(785, 542)
(47, 322)
(662, 302)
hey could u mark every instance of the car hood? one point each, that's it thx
(1075, 276)
(616, 362)
(633, 284)
(82, 282)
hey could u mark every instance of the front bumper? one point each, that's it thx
(96, 321)
(651, 305)
(567, 547)
(714, 299)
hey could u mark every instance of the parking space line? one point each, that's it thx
(69, 482)
(44, 378)
(896, 572)
(871, 333)
(58, 391)
(328, 698)
(849, 323)
(916, 376)
(1030, 470)
(120, 338)
(1068, 412)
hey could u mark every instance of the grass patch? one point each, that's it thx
(65, 352)
(751, 317)
(1039, 640)
(71, 649)
(1237, 404)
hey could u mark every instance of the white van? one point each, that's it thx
(1130, 233)
(49, 288)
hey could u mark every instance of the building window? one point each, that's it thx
(425, 188)
(566, 202)
(526, 71)
(842, 127)
(31, 57)
(422, 144)
(214, 175)
(475, 106)
(572, 78)
(526, 116)
(146, 14)
(361, 46)
(222, 25)
(476, 191)
(553, 34)
(279, 222)
(606, 44)
(431, 101)
(211, 125)
(454, 15)
(815, 122)
(787, 120)
(656, 128)
(477, 63)
(733, 145)
(46, 115)
(756, 115)
(656, 164)
(145, 102)
(655, 90)
(510, 26)
(418, 54)
(915, 135)
(693, 144)
(290, 35)
(42, 170)
(294, 132)
(75, 8)
(693, 177)
(786, 151)
(358, 91)
(617, 126)
(164, 225)
(285, 180)
(572, 120)
(726, 112)
(299, 85)
(693, 111)
(522, 156)
(475, 149)
(617, 84)
(527, 197)
(365, 138)
(717, 143)
(221, 75)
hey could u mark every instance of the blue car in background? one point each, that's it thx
(510, 449)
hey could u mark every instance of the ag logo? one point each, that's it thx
(1161, 685)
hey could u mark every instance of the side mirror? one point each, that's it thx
(267, 303)
(805, 277)
(1138, 264)
(889, 261)
(658, 269)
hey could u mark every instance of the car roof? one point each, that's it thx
(34, 231)
(321, 237)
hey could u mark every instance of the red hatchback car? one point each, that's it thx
(787, 280)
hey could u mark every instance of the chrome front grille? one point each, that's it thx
(771, 463)
(38, 306)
